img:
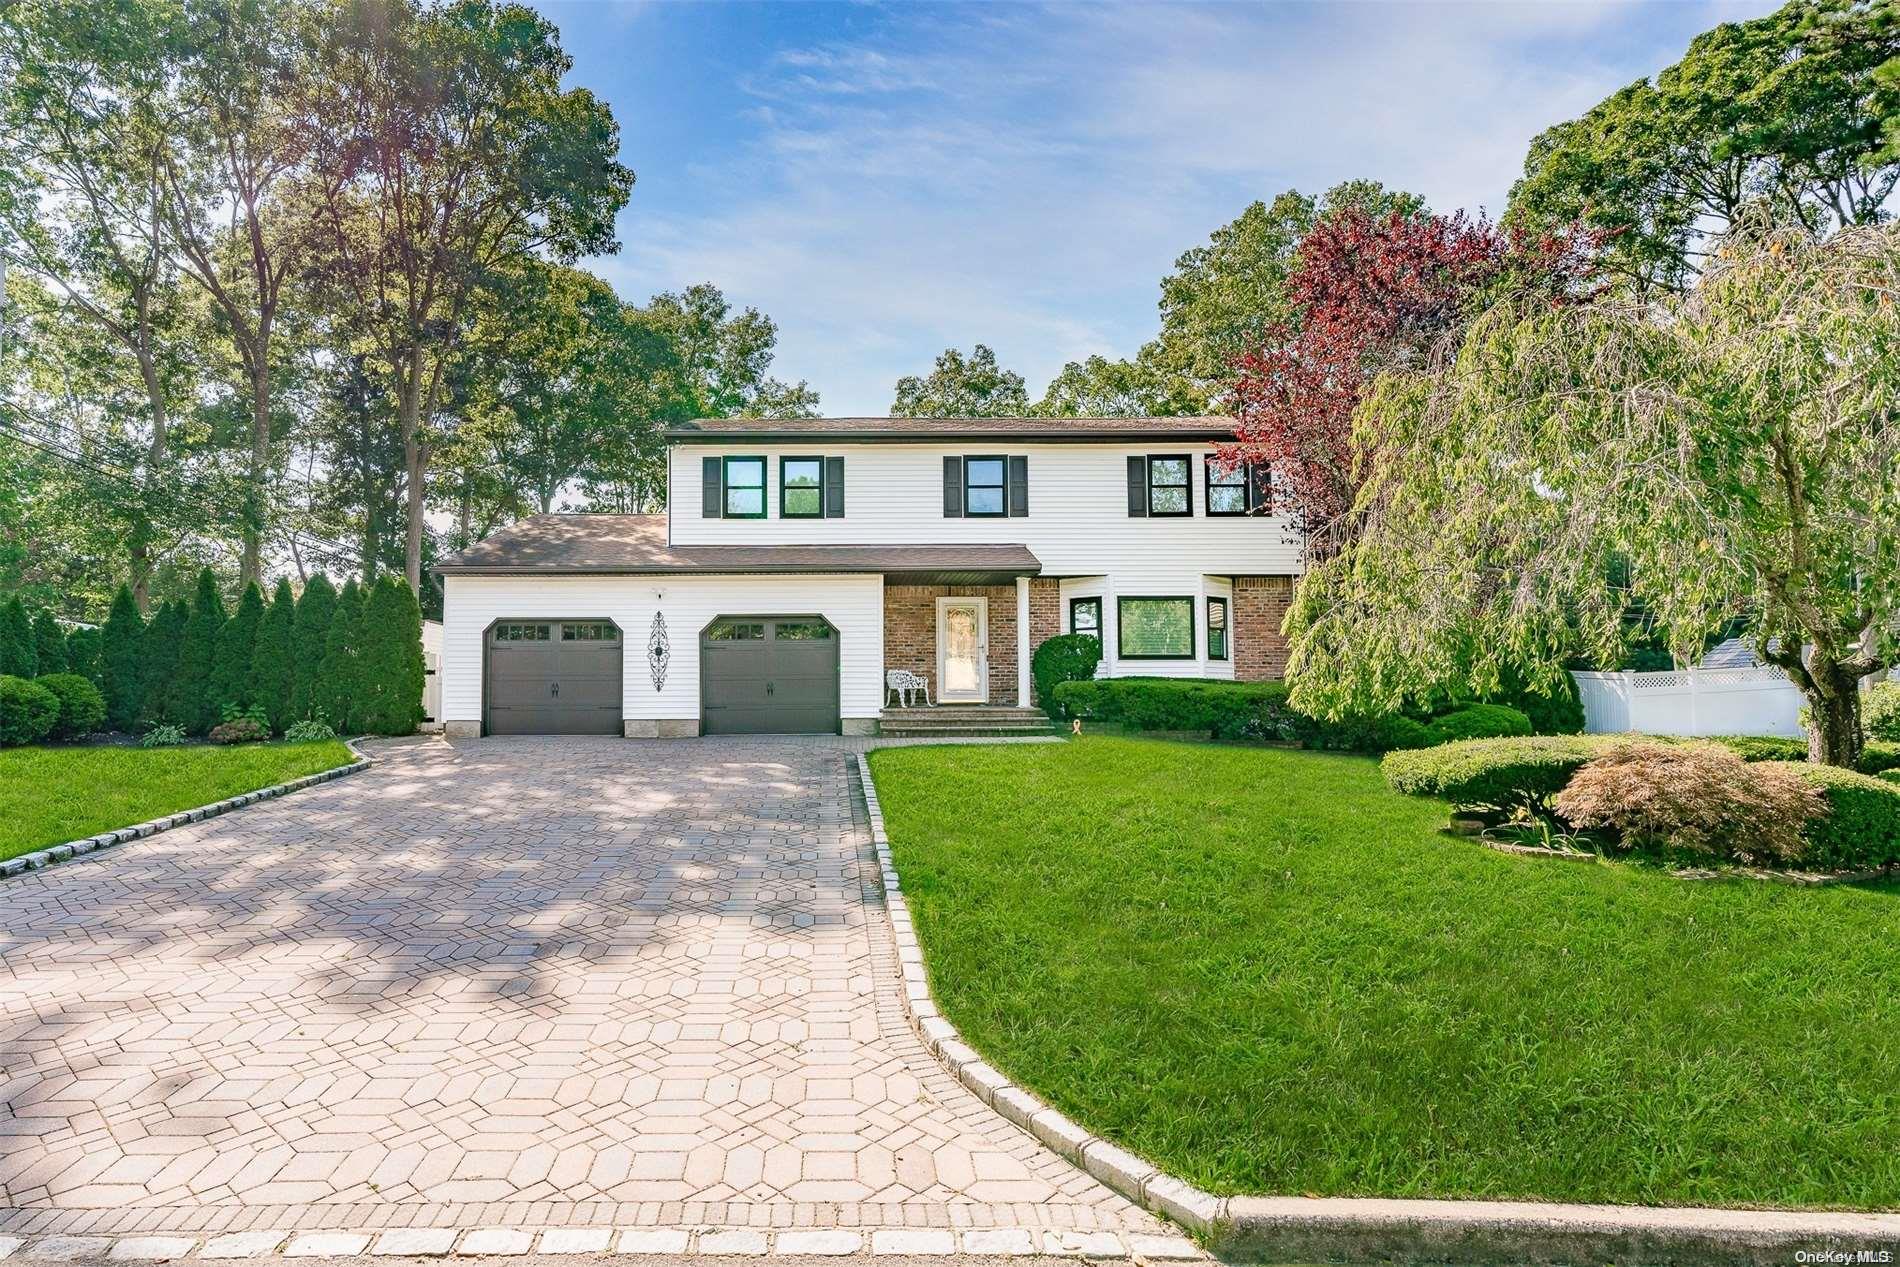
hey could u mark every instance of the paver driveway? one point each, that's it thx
(516, 981)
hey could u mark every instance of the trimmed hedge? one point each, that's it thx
(82, 709)
(1519, 772)
(1863, 828)
(1479, 721)
(27, 711)
(1230, 710)
(1064, 658)
(1880, 712)
(1878, 757)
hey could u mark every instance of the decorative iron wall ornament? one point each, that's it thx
(659, 652)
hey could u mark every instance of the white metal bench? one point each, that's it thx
(903, 683)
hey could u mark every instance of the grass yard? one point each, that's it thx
(1266, 973)
(52, 795)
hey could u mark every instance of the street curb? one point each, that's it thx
(1332, 1229)
(52, 855)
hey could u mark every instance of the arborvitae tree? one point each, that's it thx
(123, 683)
(271, 660)
(390, 660)
(186, 697)
(164, 638)
(231, 664)
(316, 608)
(17, 657)
(337, 682)
(49, 644)
(82, 654)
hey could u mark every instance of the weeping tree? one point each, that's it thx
(1734, 451)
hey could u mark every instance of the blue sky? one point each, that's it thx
(888, 180)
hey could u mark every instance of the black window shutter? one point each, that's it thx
(1137, 487)
(1259, 487)
(1019, 487)
(711, 503)
(953, 488)
(834, 488)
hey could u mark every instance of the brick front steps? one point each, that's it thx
(951, 720)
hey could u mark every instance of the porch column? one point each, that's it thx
(1022, 642)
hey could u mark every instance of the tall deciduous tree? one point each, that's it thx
(1225, 297)
(1101, 388)
(450, 153)
(1373, 294)
(960, 387)
(1785, 110)
(121, 650)
(230, 204)
(1734, 445)
(316, 608)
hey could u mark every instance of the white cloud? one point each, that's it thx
(1025, 177)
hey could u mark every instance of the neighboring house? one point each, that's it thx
(800, 561)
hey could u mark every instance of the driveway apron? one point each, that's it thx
(498, 982)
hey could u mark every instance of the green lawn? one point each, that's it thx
(1266, 973)
(52, 795)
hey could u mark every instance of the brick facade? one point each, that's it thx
(910, 631)
(1045, 615)
(1260, 604)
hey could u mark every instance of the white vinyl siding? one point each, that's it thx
(1078, 522)
(853, 604)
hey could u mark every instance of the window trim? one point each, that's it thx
(1244, 470)
(1186, 486)
(783, 513)
(726, 485)
(1121, 625)
(1082, 600)
(1001, 486)
(1226, 628)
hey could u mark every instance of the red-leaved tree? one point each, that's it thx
(1374, 294)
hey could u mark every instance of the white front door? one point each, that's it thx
(962, 659)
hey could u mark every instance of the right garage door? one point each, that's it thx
(768, 675)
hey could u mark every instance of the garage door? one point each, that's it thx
(553, 677)
(768, 675)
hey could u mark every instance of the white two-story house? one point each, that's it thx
(799, 562)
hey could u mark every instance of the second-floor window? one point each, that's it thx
(1160, 485)
(801, 493)
(1240, 489)
(985, 487)
(744, 481)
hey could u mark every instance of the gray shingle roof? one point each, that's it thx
(707, 430)
(636, 544)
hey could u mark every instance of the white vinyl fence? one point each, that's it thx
(1692, 702)
(431, 675)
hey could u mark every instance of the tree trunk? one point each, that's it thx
(413, 456)
(252, 568)
(1834, 735)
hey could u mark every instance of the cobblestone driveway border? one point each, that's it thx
(52, 855)
(1352, 1229)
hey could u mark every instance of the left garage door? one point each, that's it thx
(553, 677)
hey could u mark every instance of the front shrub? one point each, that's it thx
(241, 730)
(1764, 747)
(164, 735)
(1890, 776)
(1692, 798)
(27, 711)
(1386, 732)
(1065, 658)
(1880, 712)
(82, 708)
(1877, 757)
(1863, 828)
(1520, 772)
(308, 730)
(1479, 721)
